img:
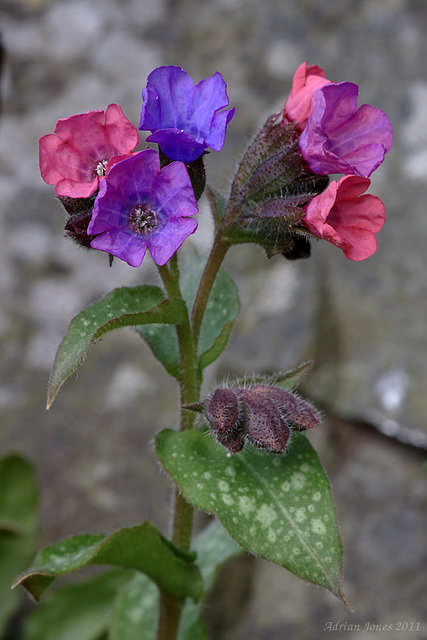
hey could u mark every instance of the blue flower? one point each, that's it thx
(141, 206)
(185, 119)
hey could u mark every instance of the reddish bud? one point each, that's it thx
(295, 412)
(222, 411)
(265, 427)
(263, 414)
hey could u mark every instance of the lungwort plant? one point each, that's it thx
(241, 453)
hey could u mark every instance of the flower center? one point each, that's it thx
(143, 219)
(101, 167)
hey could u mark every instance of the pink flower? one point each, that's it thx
(345, 218)
(306, 81)
(75, 157)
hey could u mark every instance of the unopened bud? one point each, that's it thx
(263, 414)
(80, 214)
(294, 411)
(222, 411)
(265, 428)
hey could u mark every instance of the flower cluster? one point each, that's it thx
(337, 137)
(123, 202)
(262, 414)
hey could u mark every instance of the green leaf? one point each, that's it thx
(142, 548)
(18, 527)
(136, 609)
(15, 554)
(288, 380)
(214, 547)
(163, 342)
(121, 308)
(217, 204)
(278, 507)
(221, 311)
(18, 496)
(78, 611)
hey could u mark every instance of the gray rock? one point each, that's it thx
(364, 324)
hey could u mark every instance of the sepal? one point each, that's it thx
(269, 192)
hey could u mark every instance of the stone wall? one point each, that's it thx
(363, 323)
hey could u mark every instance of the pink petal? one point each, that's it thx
(306, 81)
(346, 218)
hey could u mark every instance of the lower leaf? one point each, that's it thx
(136, 609)
(77, 611)
(278, 507)
(142, 548)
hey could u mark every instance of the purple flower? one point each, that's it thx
(339, 138)
(140, 206)
(185, 119)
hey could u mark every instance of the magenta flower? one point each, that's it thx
(345, 218)
(307, 80)
(339, 138)
(140, 206)
(185, 119)
(75, 157)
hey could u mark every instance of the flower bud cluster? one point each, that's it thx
(281, 194)
(261, 414)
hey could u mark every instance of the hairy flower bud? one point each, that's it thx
(270, 190)
(222, 411)
(262, 414)
(80, 213)
(265, 428)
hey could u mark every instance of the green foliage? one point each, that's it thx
(278, 507)
(135, 612)
(18, 528)
(78, 611)
(18, 497)
(136, 608)
(287, 381)
(222, 309)
(142, 548)
(124, 307)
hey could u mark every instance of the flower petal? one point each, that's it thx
(174, 192)
(306, 81)
(339, 138)
(122, 245)
(347, 219)
(166, 99)
(178, 144)
(163, 245)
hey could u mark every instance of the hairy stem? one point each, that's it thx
(216, 256)
(190, 381)
(170, 607)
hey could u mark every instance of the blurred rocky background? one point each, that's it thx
(365, 324)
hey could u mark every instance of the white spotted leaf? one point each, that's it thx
(135, 612)
(278, 507)
(124, 307)
(142, 548)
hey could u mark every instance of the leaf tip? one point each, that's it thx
(197, 406)
(21, 581)
(344, 599)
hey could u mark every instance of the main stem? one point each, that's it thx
(190, 381)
